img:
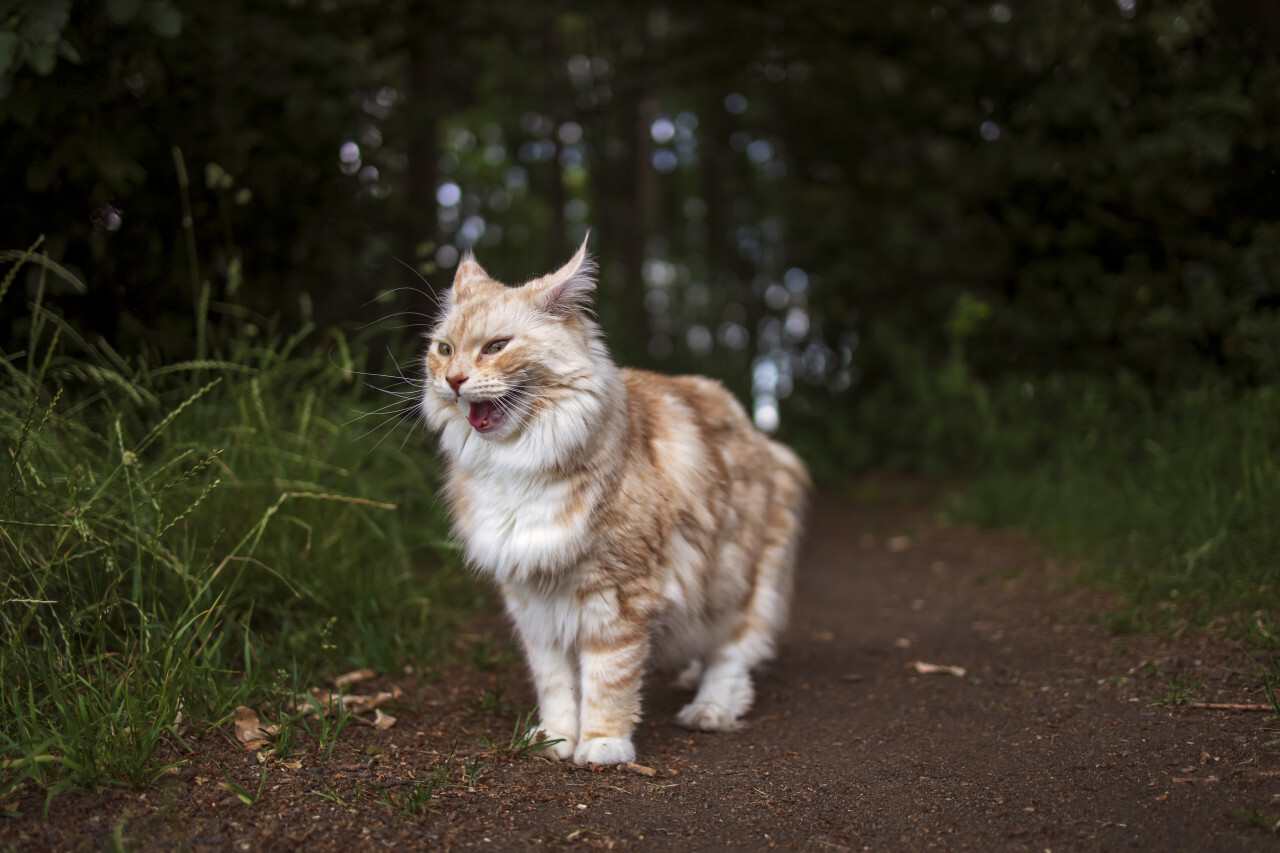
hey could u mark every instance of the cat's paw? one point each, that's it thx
(605, 750)
(559, 751)
(707, 717)
(690, 676)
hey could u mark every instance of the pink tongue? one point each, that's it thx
(479, 413)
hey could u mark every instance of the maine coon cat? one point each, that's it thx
(628, 518)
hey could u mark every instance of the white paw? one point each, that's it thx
(605, 750)
(690, 676)
(559, 751)
(707, 716)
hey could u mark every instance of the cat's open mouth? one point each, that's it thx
(488, 415)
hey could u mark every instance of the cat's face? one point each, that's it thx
(501, 357)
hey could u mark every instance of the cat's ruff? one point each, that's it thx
(626, 516)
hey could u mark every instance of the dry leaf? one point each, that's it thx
(353, 677)
(383, 721)
(364, 704)
(256, 744)
(248, 726)
(898, 544)
(640, 769)
(931, 668)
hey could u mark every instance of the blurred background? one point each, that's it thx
(882, 224)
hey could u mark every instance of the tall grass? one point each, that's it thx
(173, 537)
(1173, 503)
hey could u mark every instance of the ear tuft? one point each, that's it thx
(467, 275)
(568, 290)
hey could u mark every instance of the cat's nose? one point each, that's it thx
(455, 382)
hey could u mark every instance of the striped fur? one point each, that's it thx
(628, 518)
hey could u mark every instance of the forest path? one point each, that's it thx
(1050, 740)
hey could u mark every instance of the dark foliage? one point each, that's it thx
(827, 203)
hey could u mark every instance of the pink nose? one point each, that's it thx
(455, 382)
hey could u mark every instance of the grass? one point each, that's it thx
(1179, 690)
(1171, 504)
(174, 536)
(525, 739)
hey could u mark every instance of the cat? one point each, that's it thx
(626, 517)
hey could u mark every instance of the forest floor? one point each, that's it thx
(1057, 736)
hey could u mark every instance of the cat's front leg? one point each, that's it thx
(551, 666)
(612, 668)
(554, 679)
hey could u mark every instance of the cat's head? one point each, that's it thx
(503, 361)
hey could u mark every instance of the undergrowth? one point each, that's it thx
(173, 536)
(1167, 497)
(1170, 503)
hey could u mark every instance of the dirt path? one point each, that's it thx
(1051, 739)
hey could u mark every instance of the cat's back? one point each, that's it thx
(693, 428)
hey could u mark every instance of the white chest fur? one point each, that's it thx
(517, 524)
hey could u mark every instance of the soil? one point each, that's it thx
(1056, 737)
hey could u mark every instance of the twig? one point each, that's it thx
(1231, 706)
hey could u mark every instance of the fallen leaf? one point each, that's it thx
(353, 677)
(383, 721)
(640, 769)
(256, 744)
(362, 704)
(898, 544)
(1195, 779)
(931, 668)
(248, 726)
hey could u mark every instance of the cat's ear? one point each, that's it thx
(469, 273)
(568, 290)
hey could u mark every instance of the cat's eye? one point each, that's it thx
(444, 349)
(495, 347)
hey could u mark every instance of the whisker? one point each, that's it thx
(403, 395)
(401, 377)
(399, 421)
(399, 369)
(430, 293)
(395, 420)
(390, 408)
(412, 429)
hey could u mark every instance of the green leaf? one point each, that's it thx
(68, 52)
(165, 20)
(123, 11)
(8, 50)
(42, 58)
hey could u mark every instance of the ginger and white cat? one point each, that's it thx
(627, 517)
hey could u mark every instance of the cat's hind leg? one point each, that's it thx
(691, 676)
(725, 692)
